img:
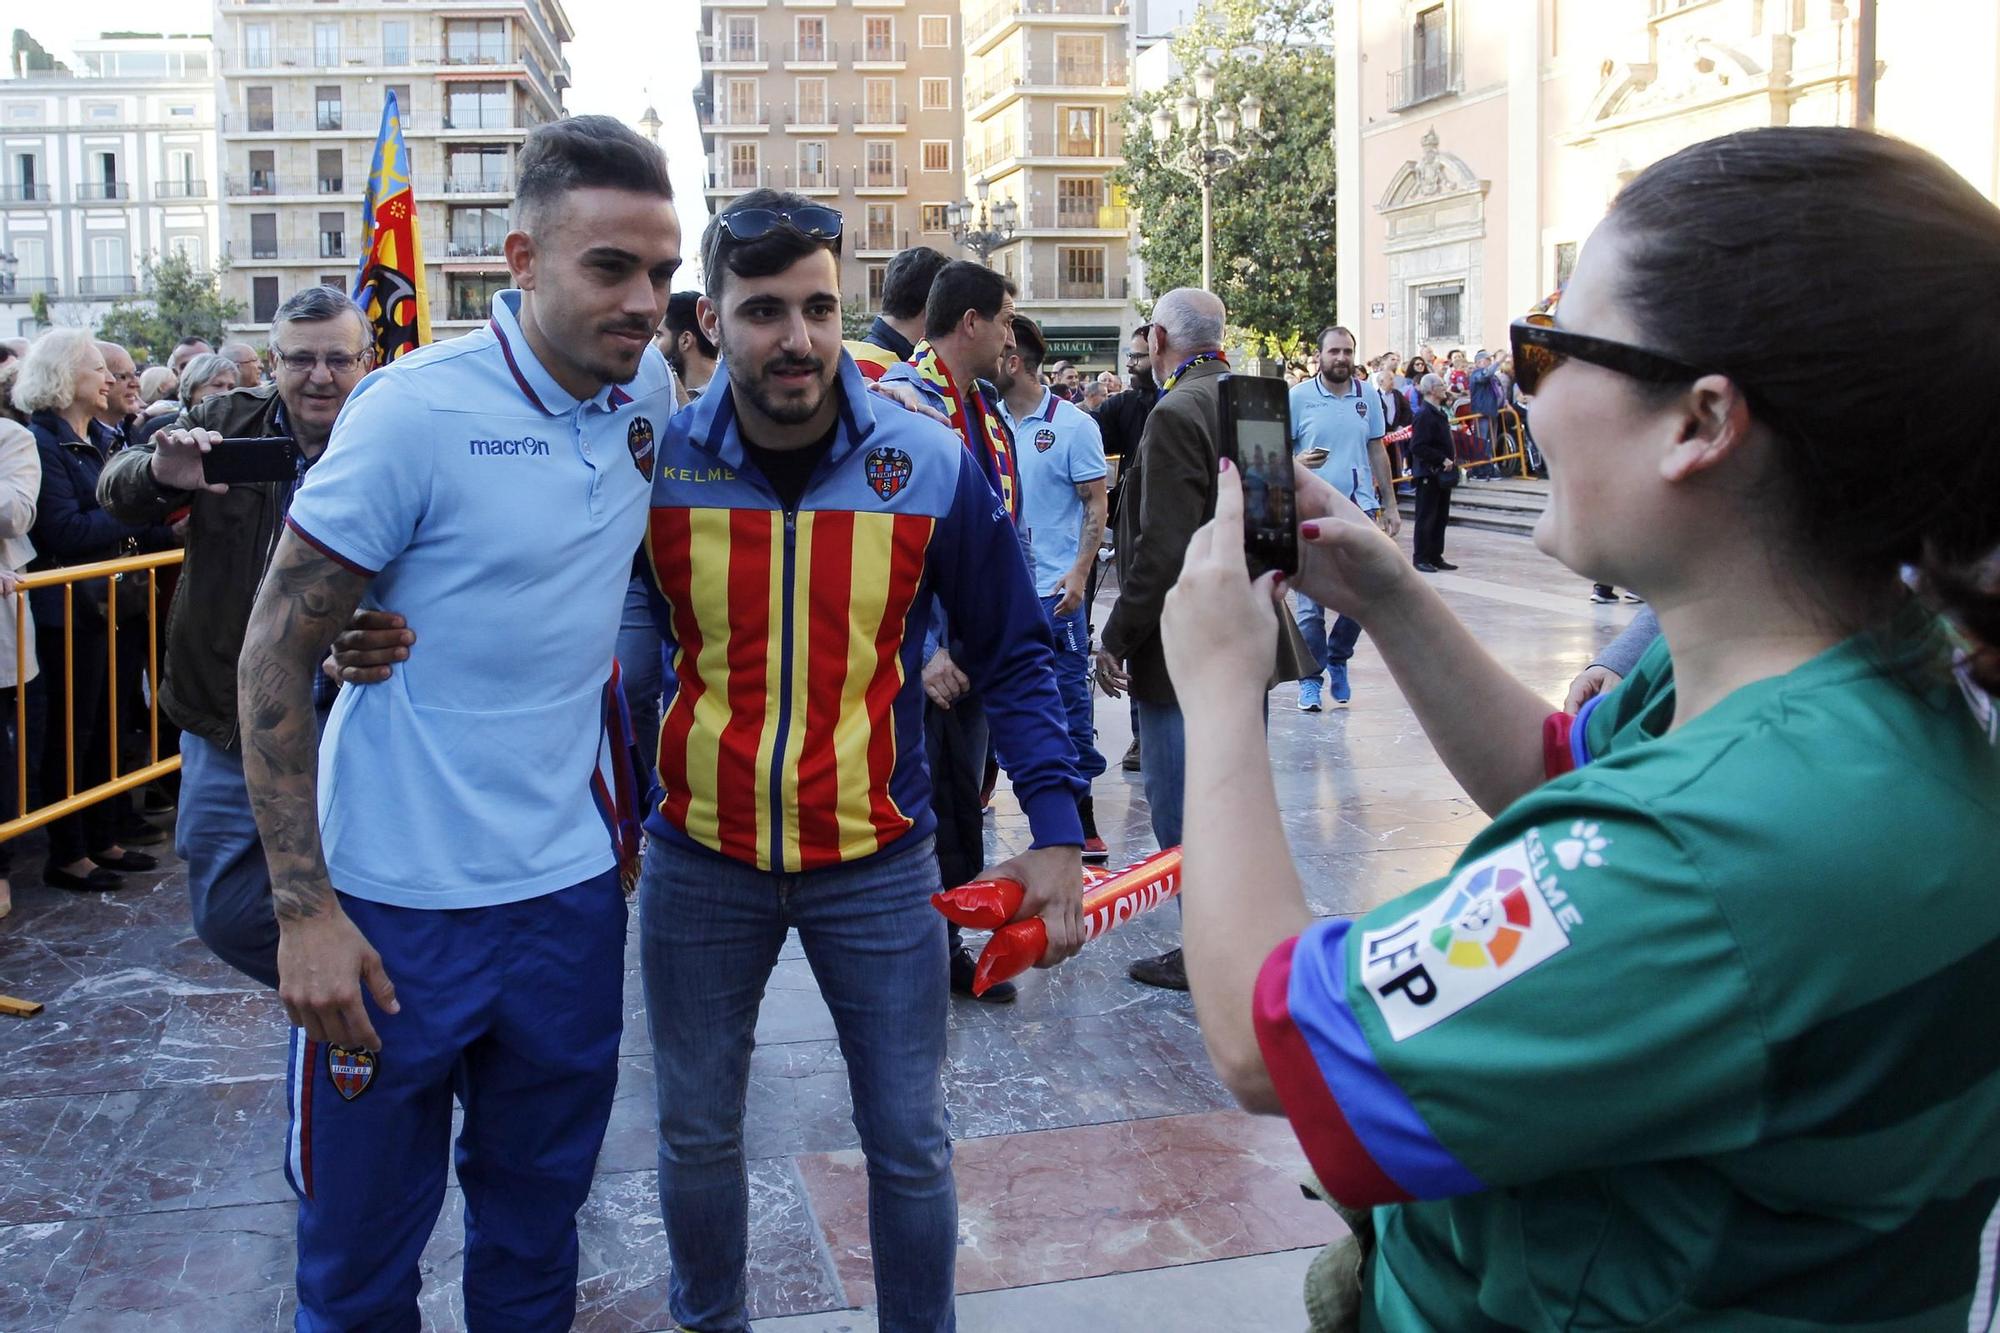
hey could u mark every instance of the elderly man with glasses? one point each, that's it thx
(320, 349)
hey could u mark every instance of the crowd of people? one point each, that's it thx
(1664, 1047)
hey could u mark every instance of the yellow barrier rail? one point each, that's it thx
(1513, 433)
(111, 571)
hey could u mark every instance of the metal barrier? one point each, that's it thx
(67, 579)
(1512, 430)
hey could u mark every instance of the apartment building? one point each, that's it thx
(852, 102)
(1045, 90)
(302, 87)
(101, 166)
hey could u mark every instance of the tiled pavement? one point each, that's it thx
(1105, 1180)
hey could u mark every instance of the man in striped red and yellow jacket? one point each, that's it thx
(802, 529)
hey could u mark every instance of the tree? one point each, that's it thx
(179, 298)
(1273, 217)
(855, 318)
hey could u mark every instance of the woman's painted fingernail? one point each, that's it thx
(1310, 531)
(1224, 467)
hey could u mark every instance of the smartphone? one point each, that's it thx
(1257, 438)
(237, 462)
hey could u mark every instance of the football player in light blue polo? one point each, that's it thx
(1337, 432)
(445, 865)
(1059, 456)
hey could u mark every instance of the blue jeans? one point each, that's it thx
(641, 668)
(1328, 649)
(229, 883)
(1163, 742)
(710, 932)
(1072, 635)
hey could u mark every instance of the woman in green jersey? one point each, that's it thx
(1698, 1032)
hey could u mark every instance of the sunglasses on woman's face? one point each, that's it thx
(751, 224)
(1539, 347)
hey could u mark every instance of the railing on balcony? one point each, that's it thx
(181, 189)
(115, 284)
(256, 183)
(798, 178)
(332, 185)
(1088, 289)
(104, 190)
(1423, 81)
(881, 53)
(263, 249)
(481, 249)
(883, 239)
(873, 177)
(333, 245)
(727, 117)
(810, 53)
(726, 51)
(823, 115)
(738, 178)
(1007, 11)
(13, 288)
(1042, 145)
(869, 115)
(1092, 74)
(468, 185)
(24, 194)
(363, 57)
(421, 123)
(1077, 217)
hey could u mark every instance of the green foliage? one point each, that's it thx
(855, 317)
(178, 298)
(1273, 216)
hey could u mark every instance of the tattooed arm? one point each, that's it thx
(323, 959)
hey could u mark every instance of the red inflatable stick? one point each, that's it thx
(1109, 901)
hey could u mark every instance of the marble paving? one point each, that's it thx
(1106, 1180)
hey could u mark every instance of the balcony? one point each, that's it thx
(1087, 289)
(1425, 81)
(461, 185)
(116, 284)
(20, 289)
(824, 181)
(721, 53)
(104, 191)
(811, 54)
(24, 194)
(815, 117)
(238, 123)
(876, 180)
(481, 249)
(879, 55)
(882, 119)
(257, 183)
(995, 19)
(332, 185)
(1009, 147)
(182, 189)
(333, 245)
(737, 180)
(875, 241)
(1106, 77)
(1082, 216)
(737, 117)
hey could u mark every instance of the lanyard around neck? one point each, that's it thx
(1188, 365)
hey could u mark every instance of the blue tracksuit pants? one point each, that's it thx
(516, 1010)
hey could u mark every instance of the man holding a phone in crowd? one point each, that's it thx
(320, 347)
(1337, 430)
(1170, 492)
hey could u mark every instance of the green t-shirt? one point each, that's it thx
(1696, 1036)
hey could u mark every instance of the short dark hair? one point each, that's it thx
(315, 305)
(773, 252)
(582, 153)
(1141, 331)
(906, 283)
(191, 340)
(960, 286)
(1029, 344)
(681, 318)
(1343, 331)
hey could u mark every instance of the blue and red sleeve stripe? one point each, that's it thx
(1366, 1140)
(327, 551)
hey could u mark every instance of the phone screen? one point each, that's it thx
(1270, 501)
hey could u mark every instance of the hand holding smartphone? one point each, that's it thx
(1257, 438)
(237, 462)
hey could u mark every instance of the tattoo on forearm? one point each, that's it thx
(306, 599)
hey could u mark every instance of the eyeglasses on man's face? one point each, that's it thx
(336, 363)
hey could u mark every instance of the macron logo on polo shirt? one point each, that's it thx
(527, 445)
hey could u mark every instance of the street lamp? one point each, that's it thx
(1203, 140)
(978, 227)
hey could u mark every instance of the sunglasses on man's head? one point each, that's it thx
(1539, 347)
(752, 224)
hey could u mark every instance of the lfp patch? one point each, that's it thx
(888, 472)
(351, 1071)
(1492, 923)
(1045, 440)
(639, 439)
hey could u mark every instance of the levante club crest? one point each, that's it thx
(639, 439)
(351, 1071)
(888, 472)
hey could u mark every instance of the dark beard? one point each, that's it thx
(1143, 382)
(788, 413)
